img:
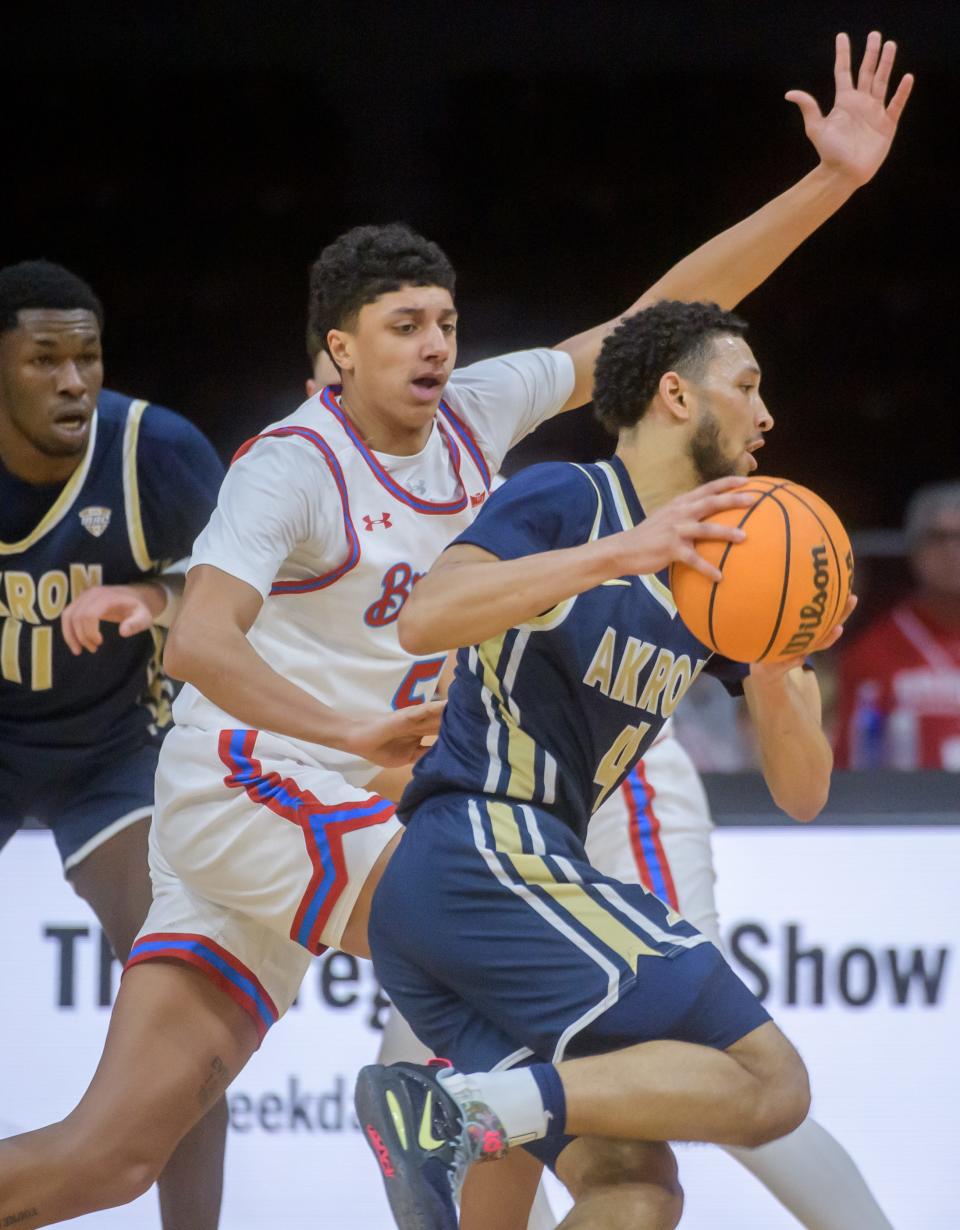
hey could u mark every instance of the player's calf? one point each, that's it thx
(620, 1185)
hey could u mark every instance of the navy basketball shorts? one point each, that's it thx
(501, 945)
(84, 795)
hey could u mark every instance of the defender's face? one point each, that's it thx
(399, 355)
(51, 373)
(731, 418)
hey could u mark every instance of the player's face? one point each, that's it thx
(399, 356)
(51, 372)
(731, 418)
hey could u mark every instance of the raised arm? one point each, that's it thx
(852, 141)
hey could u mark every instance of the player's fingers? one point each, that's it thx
(692, 558)
(849, 607)
(710, 530)
(717, 486)
(139, 620)
(841, 64)
(881, 79)
(899, 100)
(88, 633)
(69, 631)
(809, 109)
(868, 65)
(710, 505)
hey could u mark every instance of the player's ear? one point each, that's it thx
(341, 350)
(312, 387)
(675, 395)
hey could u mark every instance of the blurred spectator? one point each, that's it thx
(899, 682)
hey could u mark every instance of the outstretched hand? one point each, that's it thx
(856, 135)
(783, 666)
(134, 607)
(396, 738)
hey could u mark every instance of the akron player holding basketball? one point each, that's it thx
(270, 832)
(514, 949)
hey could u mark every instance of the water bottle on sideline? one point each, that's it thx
(902, 739)
(867, 735)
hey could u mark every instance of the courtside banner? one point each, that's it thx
(850, 935)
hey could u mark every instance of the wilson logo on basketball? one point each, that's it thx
(811, 613)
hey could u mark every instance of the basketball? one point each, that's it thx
(784, 587)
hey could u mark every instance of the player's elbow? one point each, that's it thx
(416, 631)
(805, 802)
(180, 655)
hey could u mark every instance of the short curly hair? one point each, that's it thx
(670, 336)
(44, 285)
(363, 264)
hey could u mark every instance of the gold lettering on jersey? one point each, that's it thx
(656, 682)
(21, 593)
(84, 576)
(618, 761)
(681, 677)
(41, 658)
(52, 594)
(10, 650)
(600, 671)
(636, 655)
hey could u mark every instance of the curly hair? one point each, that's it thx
(363, 264)
(670, 336)
(42, 284)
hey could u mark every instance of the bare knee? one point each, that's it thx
(115, 1171)
(782, 1099)
(636, 1179)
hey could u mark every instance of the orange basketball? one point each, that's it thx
(784, 587)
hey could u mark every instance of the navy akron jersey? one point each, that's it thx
(558, 711)
(145, 488)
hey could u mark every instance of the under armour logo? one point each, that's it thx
(383, 519)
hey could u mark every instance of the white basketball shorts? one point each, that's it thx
(257, 859)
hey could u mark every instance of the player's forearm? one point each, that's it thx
(459, 604)
(222, 664)
(728, 267)
(795, 755)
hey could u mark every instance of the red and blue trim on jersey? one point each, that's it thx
(427, 507)
(308, 584)
(468, 441)
(323, 827)
(648, 852)
(220, 966)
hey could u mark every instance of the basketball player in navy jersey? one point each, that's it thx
(514, 949)
(95, 488)
(388, 318)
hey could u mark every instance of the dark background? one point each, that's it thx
(191, 159)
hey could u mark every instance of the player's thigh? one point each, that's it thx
(114, 880)
(174, 1044)
(499, 1195)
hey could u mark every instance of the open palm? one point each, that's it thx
(855, 136)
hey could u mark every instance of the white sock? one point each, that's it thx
(514, 1097)
(814, 1177)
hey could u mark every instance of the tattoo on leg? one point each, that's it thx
(17, 1219)
(215, 1082)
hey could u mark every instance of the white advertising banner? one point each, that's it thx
(849, 934)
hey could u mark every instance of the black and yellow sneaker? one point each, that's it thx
(423, 1139)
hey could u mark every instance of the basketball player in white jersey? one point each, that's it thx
(270, 833)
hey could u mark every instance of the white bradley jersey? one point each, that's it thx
(334, 536)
